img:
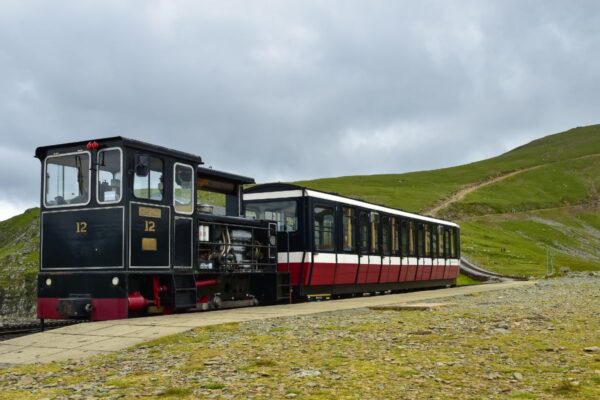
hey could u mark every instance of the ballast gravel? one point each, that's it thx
(539, 341)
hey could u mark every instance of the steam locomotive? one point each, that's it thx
(131, 229)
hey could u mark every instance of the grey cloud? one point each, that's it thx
(295, 90)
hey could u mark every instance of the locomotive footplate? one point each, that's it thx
(78, 307)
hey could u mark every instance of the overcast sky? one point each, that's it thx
(288, 90)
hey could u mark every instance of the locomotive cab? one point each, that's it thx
(126, 230)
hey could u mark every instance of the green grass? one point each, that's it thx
(464, 280)
(16, 225)
(563, 183)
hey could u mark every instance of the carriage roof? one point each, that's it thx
(287, 190)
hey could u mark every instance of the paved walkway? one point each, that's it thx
(88, 339)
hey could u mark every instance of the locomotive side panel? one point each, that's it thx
(88, 239)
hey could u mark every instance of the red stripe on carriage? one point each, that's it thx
(394, 273)
(326, 273)
(373, 273)
(297, 272)
(323, 274)
(345, 274)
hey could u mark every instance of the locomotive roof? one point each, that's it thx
(42, 151)
(288, 190)
(226, 176)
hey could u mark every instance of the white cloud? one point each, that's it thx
(9, 209)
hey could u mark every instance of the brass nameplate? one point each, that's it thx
(150, 212)
(149, 244)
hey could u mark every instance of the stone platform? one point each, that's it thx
(89, 339)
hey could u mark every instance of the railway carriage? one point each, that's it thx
(334, 245)
(129, 229)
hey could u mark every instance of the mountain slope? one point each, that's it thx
(420, 191)
(19, 253)
(515, 209)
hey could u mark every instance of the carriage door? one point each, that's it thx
(183, 222)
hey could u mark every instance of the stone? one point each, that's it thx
(306, 372)
(493, 375)
(518, 376)
(592, 349)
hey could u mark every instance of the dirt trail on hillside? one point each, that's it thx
(462, 193)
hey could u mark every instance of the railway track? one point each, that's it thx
(16, 330)
(474, 271)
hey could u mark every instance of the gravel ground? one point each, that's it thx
(541, 341)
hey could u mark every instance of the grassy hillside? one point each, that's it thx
(19, 249)
(513, 208)
(419, 191)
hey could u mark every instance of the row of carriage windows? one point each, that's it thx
(373, 233)
(68, 178)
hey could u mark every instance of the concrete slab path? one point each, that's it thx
(88, 339)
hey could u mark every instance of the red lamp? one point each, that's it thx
(92, 145)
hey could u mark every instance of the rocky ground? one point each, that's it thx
(536, 342)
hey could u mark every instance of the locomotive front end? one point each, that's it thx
(82, 233)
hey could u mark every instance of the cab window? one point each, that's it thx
(109, 176)
(183, 188)
(148, 179)
(67, 180)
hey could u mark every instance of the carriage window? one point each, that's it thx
(447, 243)
(349, 216)
(395, 236)
(412, 250)
(434, 244)
(440, 238)
(282, 212)
(148, 178)
(420, 240)
(324, 221)
(109, 176)
(375, 221)
(67, 180)
(385, 235)
(363, 232)
(183, 188)
(427, 242)
(452, 243)
(404, 238)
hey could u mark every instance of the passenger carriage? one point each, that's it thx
(335, 245)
